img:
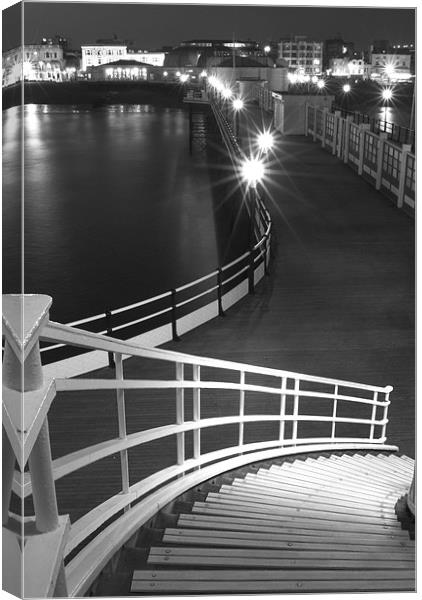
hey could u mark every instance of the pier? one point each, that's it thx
(336, 303)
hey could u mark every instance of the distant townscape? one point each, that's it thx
(293, 59)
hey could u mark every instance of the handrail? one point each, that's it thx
(297, 412)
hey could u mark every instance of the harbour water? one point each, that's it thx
(115, 208)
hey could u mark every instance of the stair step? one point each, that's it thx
(397, 467)
(335, 513)
(299, 483)
(271, 487)
(363, 466)
(278, 558)
(215, 581)
(206, 537)
(297, 499)
(273, 527)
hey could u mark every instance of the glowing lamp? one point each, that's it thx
(226, 93)
(320, 84)
(265, 141)
(252, 171)
(387, 94)
(346, 88)
(237, 104)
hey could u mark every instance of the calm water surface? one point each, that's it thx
(115, 208)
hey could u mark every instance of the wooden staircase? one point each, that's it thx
(314, 524)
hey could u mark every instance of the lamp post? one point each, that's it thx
(252, 171)
(237, 107)
(265, 142)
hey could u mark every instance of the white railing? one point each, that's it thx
(255, 413)
(390, 167)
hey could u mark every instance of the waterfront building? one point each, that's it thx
(209, 53)
(303, 56)
(155, 58)
(102, 52)
(123, 70)
(33, 62)
(336, 48)
(390, 68)
(345, 67)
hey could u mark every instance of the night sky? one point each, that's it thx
(154, 25)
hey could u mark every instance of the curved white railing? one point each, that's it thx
(292, 412)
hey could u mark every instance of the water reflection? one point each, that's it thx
(115, 207)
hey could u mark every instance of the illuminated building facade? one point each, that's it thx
(101, 53)
(389, 68)
(124, 70)
(33, 62)
(205, 54)
(345, 67)
(302, 56)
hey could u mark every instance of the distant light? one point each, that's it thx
(178, 73)
(184, 77)
(252, 171)
(227, 93)
(346, 88)
(238, 104)
(320, 84)
(165, 73)
(203, 74)
(265, 141)
(267, 49)
(387, 93)
(314, 79)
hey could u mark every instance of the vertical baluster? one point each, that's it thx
(295, 410)
(241, 408)
(121, 415)
(196, 412)
(388, 390)
(180, 414)
(373, 416)
(282, 408)
(333, 426)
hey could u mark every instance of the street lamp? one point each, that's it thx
(252, 170)
(320, 84)
(265, 141)
(237, 107)
(346, 88)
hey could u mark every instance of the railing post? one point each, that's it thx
(109, 328)
(382, 137)
(373, 416)
(174, 316)
(314, 133)
(196, 375)
(340, 139)
(347, 125)
(362, 127)
(121, 415)
(406, 148)
(282, 409)
(180, 414)
(324, 126)
(295, 410)
(220, 292)
(388, 391)
(24, 317)
(337, 119)
(241, 408)
(333, 425)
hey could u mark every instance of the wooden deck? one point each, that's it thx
(339, 302)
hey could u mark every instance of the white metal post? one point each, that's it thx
(121, 415)
(282, 408)
(196, 412)
(337, 119)
(241, 408)
(362, 128)
(295, 410)
(324, 126)
(381, 143)
(406, 148)
(333, 426)
(180, 414)
(347, 126)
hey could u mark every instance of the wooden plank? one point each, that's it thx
(275, 558)
(331, 475)
(301, 484)
(237, 524)
(239, 503)
(388, 468)
(363, 466)
(315, 499)
(294, 491)
(281, 503)
(306, 519)
(241, 539)
(270, 586)
(266, 574)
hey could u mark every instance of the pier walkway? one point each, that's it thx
(339, 302)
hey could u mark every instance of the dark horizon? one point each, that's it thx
(152, 26)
